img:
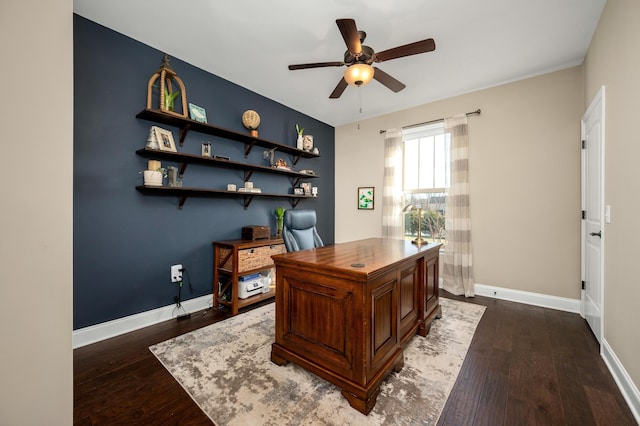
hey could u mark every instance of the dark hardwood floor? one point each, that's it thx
(526, 366)
(533, 366)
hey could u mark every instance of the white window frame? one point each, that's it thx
(427, 130)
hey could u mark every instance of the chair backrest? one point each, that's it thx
(299, 230)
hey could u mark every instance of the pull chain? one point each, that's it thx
(359, 105)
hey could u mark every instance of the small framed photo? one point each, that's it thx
(298, 191)
(206, 149)
(165, 139)
(197, 113)
(306, 187)
(365, 197)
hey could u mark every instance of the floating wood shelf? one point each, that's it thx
(184, 159)
(186, 124)
(184, 193)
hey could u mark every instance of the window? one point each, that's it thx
(426, 174)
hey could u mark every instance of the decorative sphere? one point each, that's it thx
(250, 119)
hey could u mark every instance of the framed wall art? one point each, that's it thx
(365, 197)
(197, 113)
(165, 139)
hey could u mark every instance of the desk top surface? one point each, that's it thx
(358, 257)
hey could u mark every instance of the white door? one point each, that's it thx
(593, 212)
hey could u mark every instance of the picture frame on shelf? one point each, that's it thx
(197, 113)
(206, 149)
(306, 187)
(298, 191)
(366, 197)
(165, 139)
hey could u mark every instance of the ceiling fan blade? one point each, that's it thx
(315, 65)
(350, 35)
(337, 92)
(387, 80)
(415, 48)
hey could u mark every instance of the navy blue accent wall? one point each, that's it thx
(124, 242)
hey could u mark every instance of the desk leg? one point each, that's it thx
(363, 405)
(425, 326)
(277, 359)
(367, 400)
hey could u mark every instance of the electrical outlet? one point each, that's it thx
(176, 273)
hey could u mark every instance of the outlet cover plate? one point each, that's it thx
(176, 273)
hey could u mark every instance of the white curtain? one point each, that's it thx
(457, 274)
(392, 185)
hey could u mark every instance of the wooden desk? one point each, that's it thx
(345, 311)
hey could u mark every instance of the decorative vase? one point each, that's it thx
(152, 178)
(172, 173)
(299, 142)
(279, 225)
(307, 142)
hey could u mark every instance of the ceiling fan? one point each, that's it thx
(358, 59)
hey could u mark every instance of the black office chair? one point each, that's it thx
(299, 230)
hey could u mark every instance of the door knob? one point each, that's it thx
(596, 234)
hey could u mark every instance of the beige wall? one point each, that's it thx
(613, 61)
(524, 172)
(36, 211)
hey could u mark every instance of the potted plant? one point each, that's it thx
(169, 99)
(154, 177)
(299, 143)
(279, 220)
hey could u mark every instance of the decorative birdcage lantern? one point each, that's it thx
(167, 95)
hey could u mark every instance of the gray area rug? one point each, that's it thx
(226, 368)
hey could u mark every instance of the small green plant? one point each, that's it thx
(300, 130)
(279, 220)
(169, 99)
(169, 96)
(161, 170)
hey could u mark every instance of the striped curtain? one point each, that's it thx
(392, 185)
(457, 274)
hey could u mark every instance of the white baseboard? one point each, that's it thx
(625, 384)
(106, 330)
(535, 299)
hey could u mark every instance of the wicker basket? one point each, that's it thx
(252, 258)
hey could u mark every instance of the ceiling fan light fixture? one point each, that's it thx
(358, 74)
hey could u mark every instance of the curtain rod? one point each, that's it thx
(476, 112)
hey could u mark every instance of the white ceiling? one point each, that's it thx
(479, 44)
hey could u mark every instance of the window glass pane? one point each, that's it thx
(411, 164)
(426, 166)
(432, 218)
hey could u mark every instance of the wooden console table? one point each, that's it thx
(346, 311)
(234, 258)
